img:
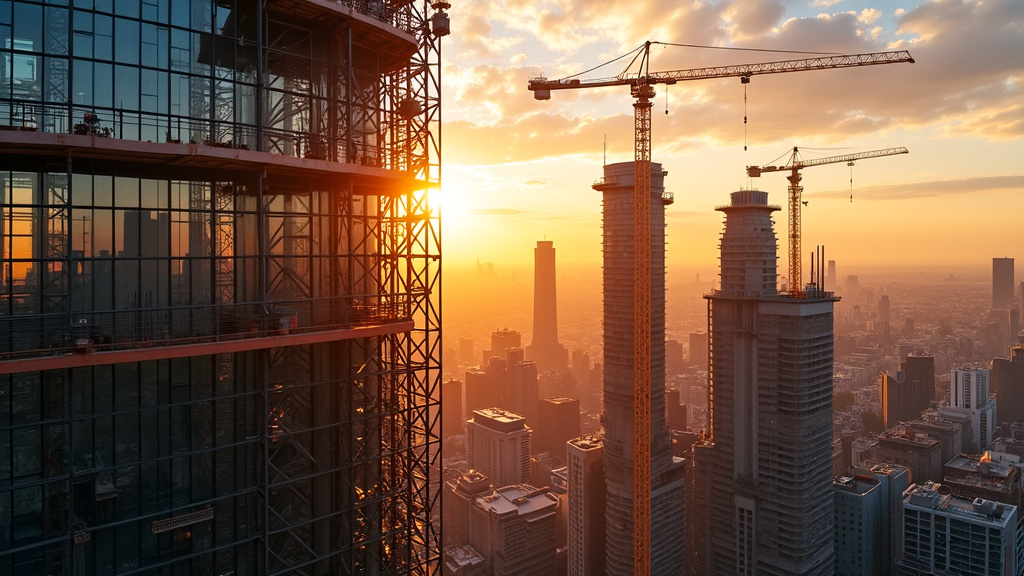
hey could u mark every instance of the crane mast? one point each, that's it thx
(796, 191)
(642, 89)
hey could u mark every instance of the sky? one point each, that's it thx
(516, 170)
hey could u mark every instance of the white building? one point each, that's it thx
(586, 507)
(514, 529)
(498, 445)
(968, 392)
(944, 534)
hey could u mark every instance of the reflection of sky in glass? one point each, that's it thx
(24, 66)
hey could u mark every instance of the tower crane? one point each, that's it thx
(794, 166)
(641, 86)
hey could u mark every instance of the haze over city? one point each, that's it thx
(517, 170)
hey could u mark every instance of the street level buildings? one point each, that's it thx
(760, 486)
(514, 529)
(586, 507)
(219, 287)
(667, 497)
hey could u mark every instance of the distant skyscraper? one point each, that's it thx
(883, 309)
(968, 391)
(1007, 379)
(501, 341)
(1002, 282)
(586, 507)
(945, 534)
(558, 421)
(830, 276)
(903, 396)
(498, 445)
(667, 498)
(452, 420)
(699, 350)
(674, 363)
(545, 349)
(767, 461)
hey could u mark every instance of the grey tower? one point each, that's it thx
(760, 486)
(1002, 283)
(545, 349)
(666, 472)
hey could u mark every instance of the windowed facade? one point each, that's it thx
(219, 339)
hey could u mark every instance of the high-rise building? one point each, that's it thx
(859, 518)
(498, 445)
(968, 391)
(514, 529)
(586, 507)
(501, 341)
(883, 309)
(558, 421)
(830, 277)
(667, 498)
(893, 480)
(766, 462)
(219, 348)
(545, 349)
(452, 418)
(945, 534)
(699, 350)
(458, 502)
(674, 363)
(1007, 380)
(1002, 283)
(904, 396)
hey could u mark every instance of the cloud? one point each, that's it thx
(966, 80)
(934, 188)
(825, 3)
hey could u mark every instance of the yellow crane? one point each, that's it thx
(794, 165)
(641, 86)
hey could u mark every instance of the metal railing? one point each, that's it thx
(25, 336)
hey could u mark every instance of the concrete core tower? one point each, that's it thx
(666, 472)
(760, 488)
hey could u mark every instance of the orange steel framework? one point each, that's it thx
(641, 87)
(794, 165)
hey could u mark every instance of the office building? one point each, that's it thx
(830, 277)
(770, 403)
(586, 507)
(452, 419)
(884, 309)
(968, 392)
(952, 431)
(920, 453)
(859, 509)
(498, 446)
(992, 476)
(699, 350)
(904, 396)
(545, 349)
(667, 501)
(674, 363)
(458, 502)
(558, 422)
(893, 480)
(675, 413)
(501, 341)
(945, 534)
(212, 291)
(514, 529)
(1007, 382)
(1002, 283)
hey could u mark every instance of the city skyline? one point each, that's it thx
(957, 110)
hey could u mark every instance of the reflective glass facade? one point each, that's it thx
(219, 347)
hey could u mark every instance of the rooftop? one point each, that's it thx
(979, 509)
(588, 442)
(520, 499)
(460, 556)
(499, 419)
